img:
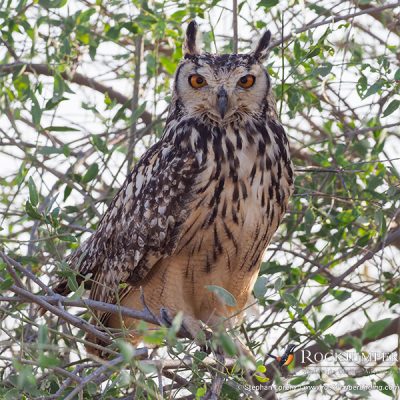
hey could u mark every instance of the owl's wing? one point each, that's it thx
(142, 224)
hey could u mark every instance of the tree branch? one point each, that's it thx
(333, 19)
(44, 69)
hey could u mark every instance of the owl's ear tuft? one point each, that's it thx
(191, 45)
(262, 49)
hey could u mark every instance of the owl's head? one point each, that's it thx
(221, 88)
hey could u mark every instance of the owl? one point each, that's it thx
(201, 205)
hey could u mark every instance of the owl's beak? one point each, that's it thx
(222, 101)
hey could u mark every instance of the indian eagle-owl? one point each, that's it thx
(202, 204)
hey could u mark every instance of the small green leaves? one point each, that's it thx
(384, 388)
(91, 173)
(35, 110)
(326, 322)
(32, 211)
(374, 88)
(391, 108)
(267, 3)
(137, 113)
(6, 284)
(126, 349)
(397, 75)
(53, 3)
(201, 392)
(225, 297)
(298, 380)
(259, 375)
(100, 144)
(60, 129)
(290, 299)
(33, 194)
(227, 344)
(312, 53)
(372, 330)
(340, 295)
(260, 287)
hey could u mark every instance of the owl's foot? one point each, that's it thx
(191, 328)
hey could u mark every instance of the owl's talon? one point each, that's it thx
(165, 318)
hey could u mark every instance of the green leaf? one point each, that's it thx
(290, 299)
(100, 144)
(323, 280)
(48, 150)
(326, 322)
(361, 86)
(261, 368)
(12, 394)
(168, 64)
(6, 284)
(79, 292)
(32, 211)
(92, 388)
(314, 52)
(278, 285)
(227, 344)
(126, 349)
(72, 283)
(22, 84)
(67, 238)
(120, 113)
(372, 330)
(324, 69)
(272, 267)
(226, 297)
(261, 378)
(33, 194)
(391, 108)
(397, 75)
(67, 192)
(353, 341)
(340, 295)
(91, 173)
(201, 392)
(330, 339)
(374, 88)
(396, 375)
(48, 361)
(260, 287)
(137, 113)
(42, 336)
(60, 129)
(384, 388)
(53, 3)
(297, 51)
(35, 111)
(298, 380)
(267, 3)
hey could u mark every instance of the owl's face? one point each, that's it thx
(225, 87)
(222, 87)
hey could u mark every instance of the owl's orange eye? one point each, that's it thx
(246, 81)
(197, 81)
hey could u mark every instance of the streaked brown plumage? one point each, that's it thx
(202, 204)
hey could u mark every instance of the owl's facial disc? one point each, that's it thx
(221, 88)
